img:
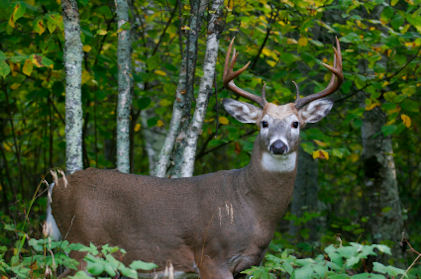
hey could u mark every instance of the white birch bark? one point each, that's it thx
(73, 65)
(124, 86)
(178, 107)
(206, 84)
(197, 11)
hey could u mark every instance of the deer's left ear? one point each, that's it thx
(315, 111)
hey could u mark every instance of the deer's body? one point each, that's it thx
(226, 219)
(216, 224)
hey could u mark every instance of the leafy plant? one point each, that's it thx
(45, 256)
(337, 263)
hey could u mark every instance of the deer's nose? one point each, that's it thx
(278, 147)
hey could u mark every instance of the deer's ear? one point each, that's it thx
(243, 112)
(315, 111)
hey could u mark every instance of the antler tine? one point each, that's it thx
(230, 75)
(297, 90)
(335, 81)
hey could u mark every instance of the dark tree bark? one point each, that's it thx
(381, 189)
(305, 198)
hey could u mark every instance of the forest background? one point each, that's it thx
(359, 169)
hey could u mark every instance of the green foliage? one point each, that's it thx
(44, 256)
(381, 45)
(337, 263)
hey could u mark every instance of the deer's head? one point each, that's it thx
(280, 125)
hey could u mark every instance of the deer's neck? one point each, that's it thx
(270, 180)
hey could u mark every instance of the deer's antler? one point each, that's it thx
(335, 81)
(230, 75)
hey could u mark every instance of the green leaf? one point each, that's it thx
(95, 268)
(39, 26)
(125, 271)
(54, 20)
(4, 68)
(390, 270)
(2, 55)
(81, 275)
(384, 249)
(389, 129)
(368, 276)
(18, 12)
(142, 265)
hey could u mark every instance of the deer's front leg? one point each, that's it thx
(209, 269)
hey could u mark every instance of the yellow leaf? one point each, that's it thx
(371, 106)
(406, 120)
(354, 157)
(302, 41)
(36, 60)
(185, 27)
(87, 48)
(39, 26)
(270, 53)
(27, 67)
(223, 120)
(160, 123)
(164, 102)
(161, 73)
(137, 127)
(7, 147)
(320, 154)
(394, 2)
(15, 86)
(271, 63)
(102, 32)
(86, 76)
(320, 143)
(291, 41)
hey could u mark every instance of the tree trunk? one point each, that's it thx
(177, 112)
(206, 85)
(124, 86)
(381, 189)
(73, 65)
(184, 94)
(305, 199)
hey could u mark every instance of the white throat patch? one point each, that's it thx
(283, 163)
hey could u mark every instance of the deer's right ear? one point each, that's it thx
(243, 112)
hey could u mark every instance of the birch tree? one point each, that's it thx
(124, 86)
(206, 85)
(73, 66)
(184, 94)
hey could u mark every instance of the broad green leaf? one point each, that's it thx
(18, 12)
(390, 270)
(81, 275)
(2, 55)
(142, 265)
(39, 26)
(368, 276)
(96, 267)
(54, 21)
(4, 68)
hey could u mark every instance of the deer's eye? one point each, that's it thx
(295, 124)
(265, 124)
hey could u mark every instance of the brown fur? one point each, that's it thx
(220, 222)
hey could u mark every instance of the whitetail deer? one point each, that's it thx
(216, 224)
